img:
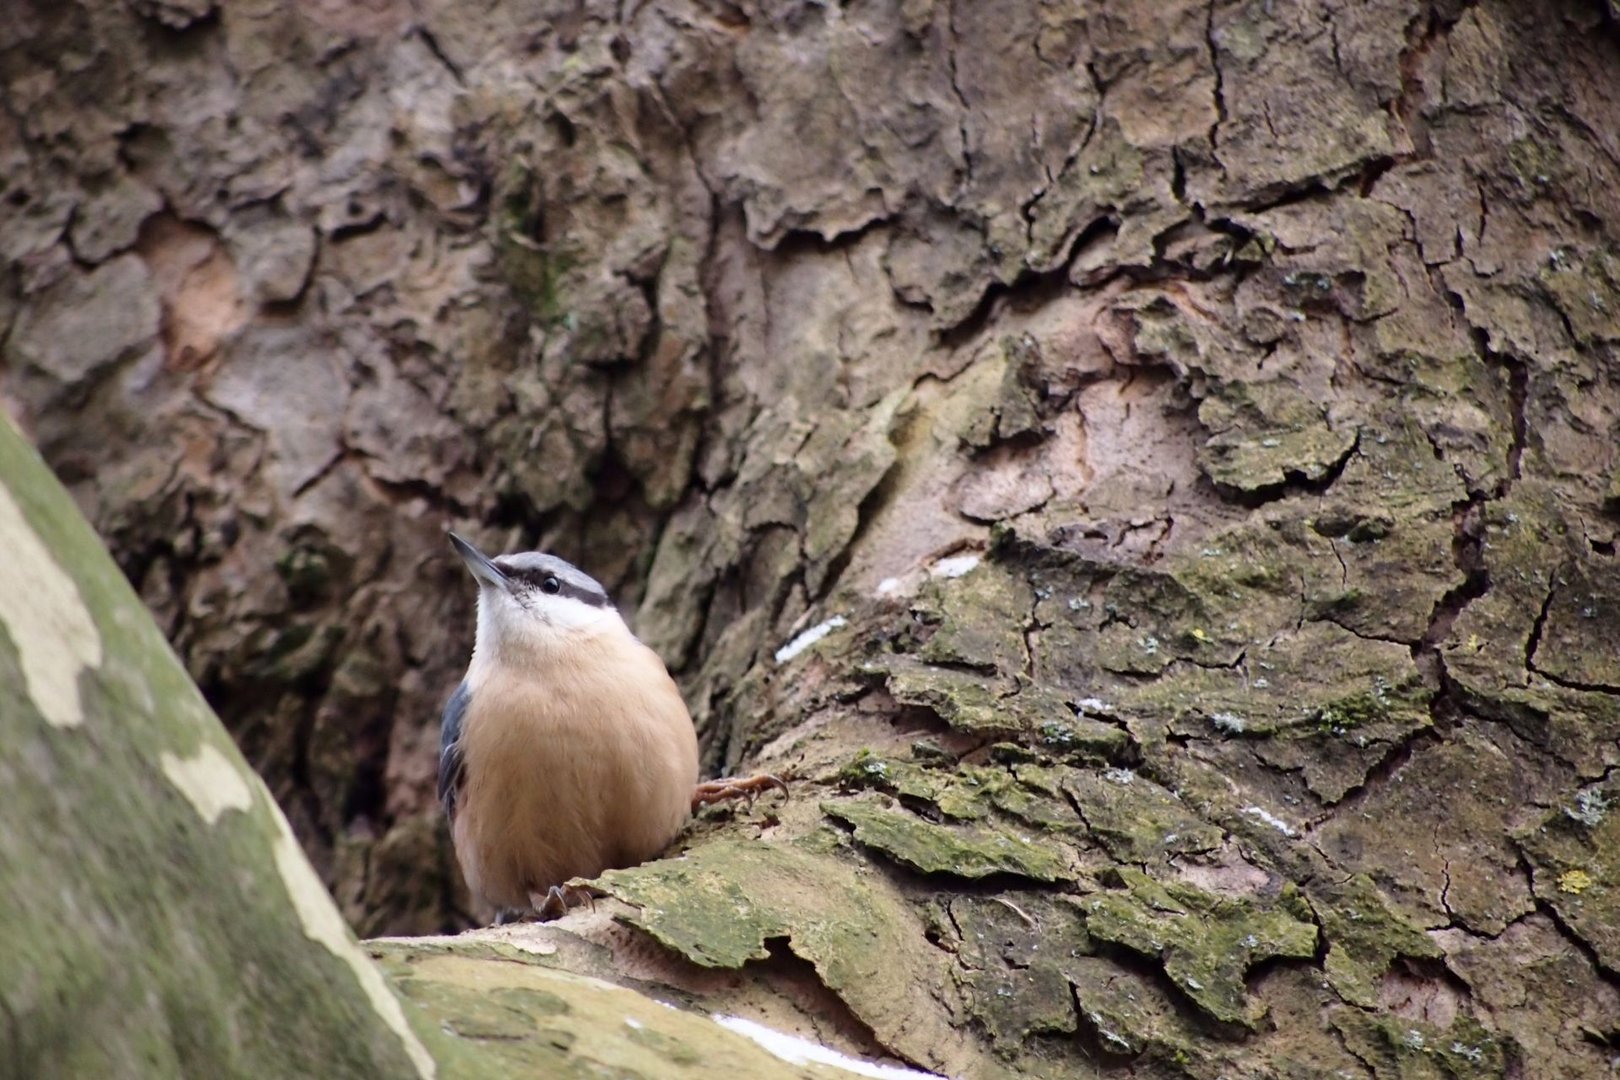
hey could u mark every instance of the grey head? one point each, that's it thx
(550, 588)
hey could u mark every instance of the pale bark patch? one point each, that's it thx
(209, 782)
(47, 621)
(324, 925)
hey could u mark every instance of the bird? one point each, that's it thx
(567, 748)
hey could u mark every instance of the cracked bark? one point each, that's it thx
(1263, 357)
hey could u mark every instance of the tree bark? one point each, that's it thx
(160, 917)
(1191, 428)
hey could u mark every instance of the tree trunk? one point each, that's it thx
(160, 918)
(1149, 470)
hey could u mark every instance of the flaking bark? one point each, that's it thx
(1194, 427)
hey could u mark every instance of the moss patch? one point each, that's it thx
(1263, 434)
(1136, 819)
(1206, 943)
(1575, 855)
(1364, 937)
(1393, 1046)
(1031, 713)
(1320, 700)
(1017, 949)
(720, 904)
(973, 851)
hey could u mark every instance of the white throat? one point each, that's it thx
(514, 635)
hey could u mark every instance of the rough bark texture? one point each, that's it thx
(161, 920)
(1197, 426)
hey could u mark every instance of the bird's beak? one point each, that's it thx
(482, 569)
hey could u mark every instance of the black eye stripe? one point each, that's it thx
(538, 579)
(535, 579)
(585, 596)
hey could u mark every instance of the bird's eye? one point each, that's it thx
(550, 584)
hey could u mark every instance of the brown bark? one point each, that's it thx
(1202, 418)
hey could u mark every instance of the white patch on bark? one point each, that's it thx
(209, 781)
(955, 566)
(46, 619)
(1260, 813)
(323, 924)
(809, 638)
(797, 1051)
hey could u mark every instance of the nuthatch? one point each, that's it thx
(567, 749)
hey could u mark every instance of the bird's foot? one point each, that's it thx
(736, 787)
(555, 901)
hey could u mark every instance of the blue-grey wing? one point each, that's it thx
(451, 765)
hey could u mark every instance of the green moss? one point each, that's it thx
(962, 793)
(153, 894)
(720, 903)
(1586, 287)
(865, 769)
(1037, 715)
(968, 793)
(1262, 434)
(1131, 1017)
(1029, 791)
(1380, 702)
(1364, 936)
(930, 752)
(306, 571)
(1136, 819)
(1577, 644)
(1184, 613)
(1206, 943)
(698, 910)
(1017, 950)
(1529, 535)
(668, 1048)
(966, 851)
(1574, 852)
(1320, 700)
(293, 653)
(1038, 798)
(961, 699)
(977, 619)
(848, 453)
(1409, 1049)
(534, 270)
(1011, 413)
(1534, 164)
(468, 1014)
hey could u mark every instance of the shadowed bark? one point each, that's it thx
(1191, 430)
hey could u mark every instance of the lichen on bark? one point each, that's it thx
(1202, 419)
(161, 917)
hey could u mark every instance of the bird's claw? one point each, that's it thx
(737, 787)
(555, 901)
